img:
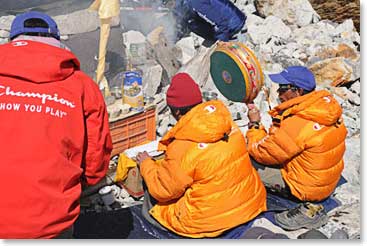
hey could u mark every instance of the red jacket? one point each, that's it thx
(54, 134)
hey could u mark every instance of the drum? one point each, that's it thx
(236, 72)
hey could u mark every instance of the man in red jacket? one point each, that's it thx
(54, 132)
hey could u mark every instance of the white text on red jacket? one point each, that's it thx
(34, 108)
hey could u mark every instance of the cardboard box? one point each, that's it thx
(133, 184)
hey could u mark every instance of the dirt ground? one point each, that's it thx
(338, 10)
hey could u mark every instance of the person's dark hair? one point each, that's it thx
(36, 22)
(183, 110)
(304, 91)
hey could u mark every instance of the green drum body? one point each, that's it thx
(236, 72)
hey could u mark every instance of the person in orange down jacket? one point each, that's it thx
(206, 183)
(302, 154)
(54, 132)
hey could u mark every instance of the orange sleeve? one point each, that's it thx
(165, 179)
(273, 148)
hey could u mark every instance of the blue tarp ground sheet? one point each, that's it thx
(129, 223)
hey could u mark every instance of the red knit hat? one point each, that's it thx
(183, 91)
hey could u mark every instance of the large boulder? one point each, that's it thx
(199, 66)
(260, 31)
(77, 22)
(292, 12)
(186, 49)
(334, 71)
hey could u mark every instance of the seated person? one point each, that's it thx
(302, 154)
(206, 184)
(211, 19)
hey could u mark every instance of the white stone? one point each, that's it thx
(152, 76)
(161, 106)
(163, 126)
(327, 26)
(77, 22)
(352, 160)
(352, 125)
(64, 37)
(249, 9)
(238, 110)
(346, 26)
(276, 229)
(345, 218)
(197, 39)
(199, 67)
(4, 40)
(172, 120)
(351, 114)
(254, 20)
(5, 22)
(299, 12)
(210, 86)
(356, 87)
(133, 37)
(347, 32)
(242, 123)
(275, 68)
(4, 34)
(312, 35)
(272, 26)
(354, 99)
(299, 54)
(242, 4)
(187, 48)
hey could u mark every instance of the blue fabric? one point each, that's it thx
(130, 223)
(17, 26)
(298, 76)
(211, 19)
(143, 229)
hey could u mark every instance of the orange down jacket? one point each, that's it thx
(206, 184)
(308, 139)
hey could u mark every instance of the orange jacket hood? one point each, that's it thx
(31, 61)
(318, 106)
(206, 123)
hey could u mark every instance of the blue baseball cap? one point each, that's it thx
(298, 76)
(18, 26)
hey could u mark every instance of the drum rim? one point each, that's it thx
(224, 47)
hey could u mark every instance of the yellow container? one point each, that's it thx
(133, 90)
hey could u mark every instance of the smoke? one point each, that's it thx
(146, 15)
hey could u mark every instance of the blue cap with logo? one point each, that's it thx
(18, 25)
(298, 76)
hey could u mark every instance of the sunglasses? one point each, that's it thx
(284, 88)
